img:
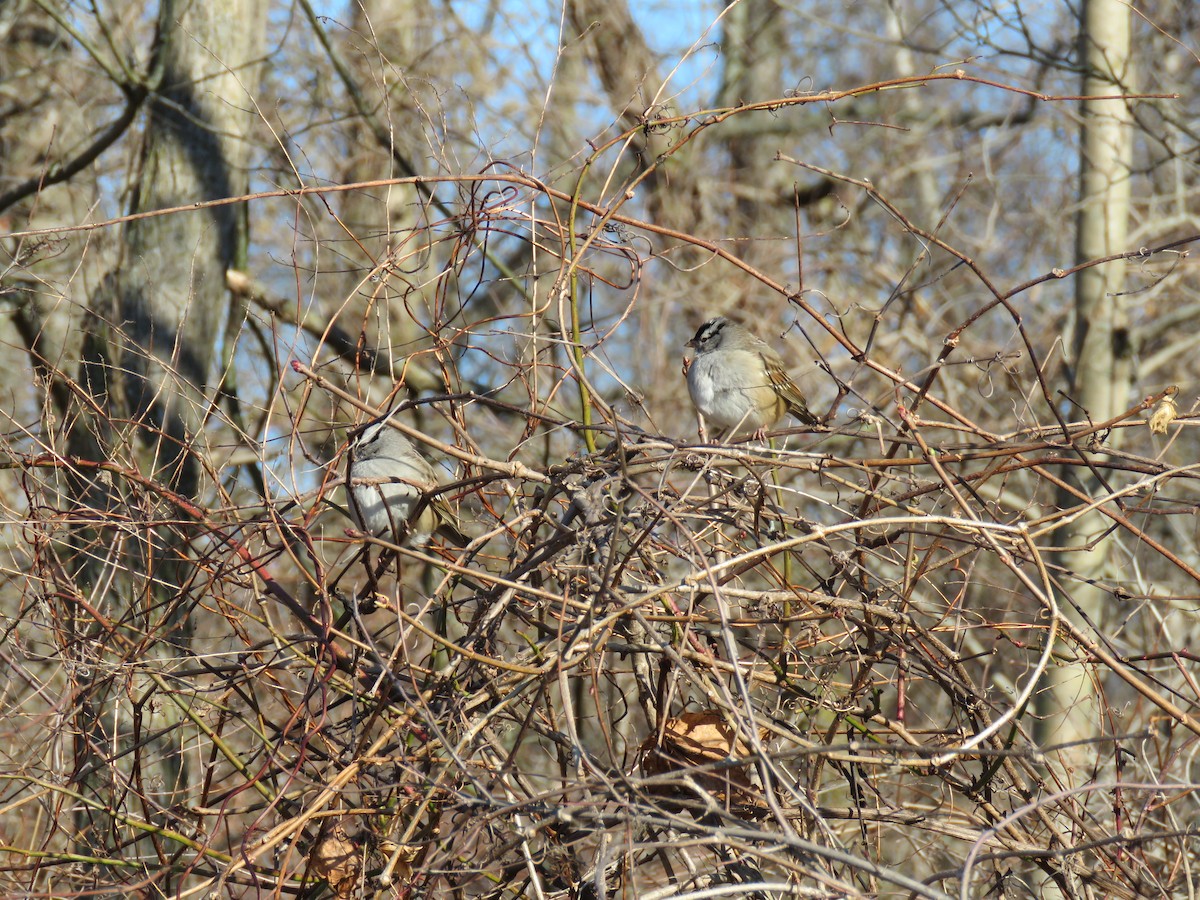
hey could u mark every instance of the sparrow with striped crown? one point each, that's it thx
(388, 486)
(738, 383)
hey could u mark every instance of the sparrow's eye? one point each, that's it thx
(708, 333)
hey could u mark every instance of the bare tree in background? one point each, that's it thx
(1102, 352)
(831, 665)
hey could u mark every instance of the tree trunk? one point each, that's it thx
(1102, 377)
(149, 357)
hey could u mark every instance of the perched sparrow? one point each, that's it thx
(387, 487)
(737, 380)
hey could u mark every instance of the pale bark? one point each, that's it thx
(638, 94)
(1101, 385)
(755, 49)
(171, 283)
(150, 362)
(391, 38)
(44, 89)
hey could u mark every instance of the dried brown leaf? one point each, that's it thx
(701, 738)
(336, 858)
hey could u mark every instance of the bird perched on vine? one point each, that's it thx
(737, 381)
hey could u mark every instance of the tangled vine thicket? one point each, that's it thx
(662, 668)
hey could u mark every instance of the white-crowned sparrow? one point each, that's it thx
(737, 380)
(388, 485)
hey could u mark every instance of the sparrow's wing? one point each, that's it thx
(786, 388)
